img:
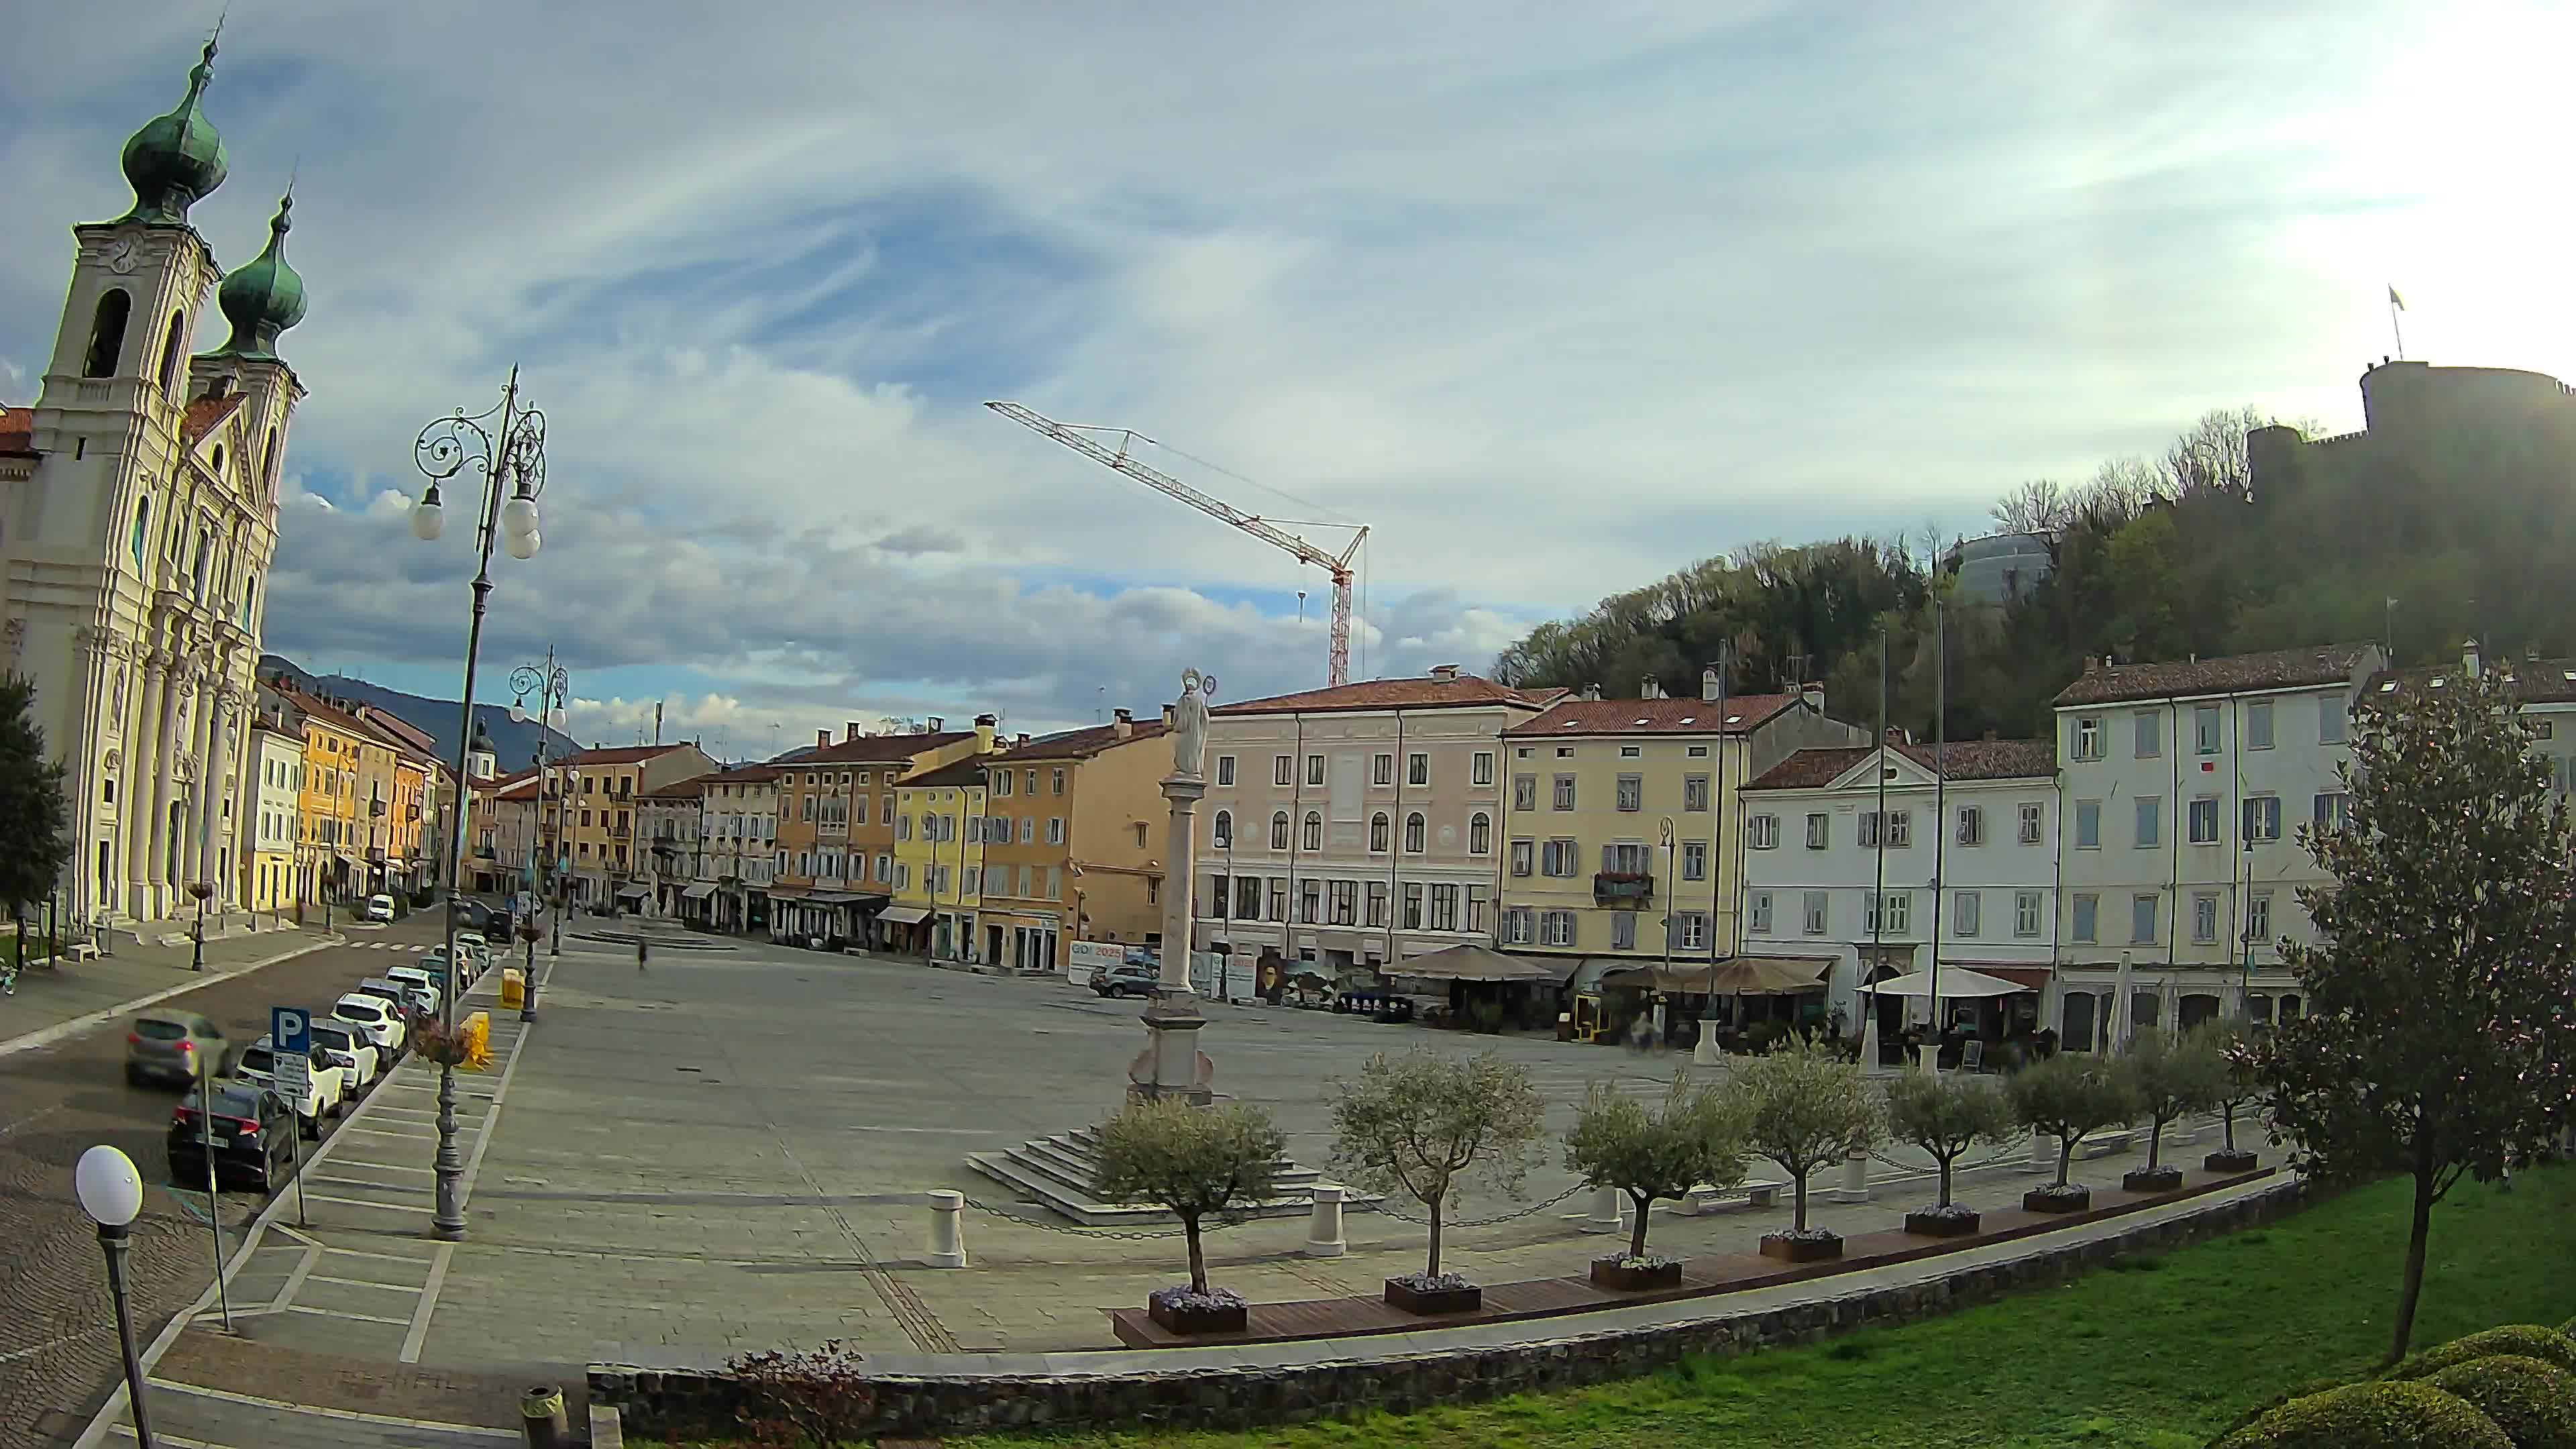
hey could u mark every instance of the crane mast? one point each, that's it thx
(1078, 437)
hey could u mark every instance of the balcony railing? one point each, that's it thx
(1623, 887)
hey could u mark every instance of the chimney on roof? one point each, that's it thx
(849, 730)
(1022, 740)
(984, 727)
(2469, 658)
(1709, 683)
(1990, 737)
(935, 725)
(822, 739)
(1122, 723)
(1895, 734)
(2092, 664)
(1648, 688)
(1590, 691)
(1813, 692)
(1444, 671)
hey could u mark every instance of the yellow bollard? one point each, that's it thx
(514, 987)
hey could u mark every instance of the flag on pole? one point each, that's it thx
(2396, 301)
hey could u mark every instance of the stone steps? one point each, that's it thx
(1057, 1172)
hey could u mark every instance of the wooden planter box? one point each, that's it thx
(1941, 1225)
(1400, 1294)
(2042, 1200)
(1800, 1250)
(2151, 1179)
(2225, 1160)
(1197, 1318)
(1607, 1273)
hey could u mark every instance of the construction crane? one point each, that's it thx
(1078, 436)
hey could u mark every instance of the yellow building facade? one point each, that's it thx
(598, 827)
(1075, 826)
(1621, 822)
(938, 861)
(330, 845)
(836, 837)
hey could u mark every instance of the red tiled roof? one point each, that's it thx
(747, 775)
(1546, 694)
(692, 788)
(1960, 760)
(17, 431)
(208, 413)
(1464, 691)
(2235, 673)
(1079, 744)
(968, 771)
(873, 749)
(2532, 681)
(1654, 716)
(622, 755)
(327, 712)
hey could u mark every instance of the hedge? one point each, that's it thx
(2372, 1416)
(2532, 1401)
(2528, 1340)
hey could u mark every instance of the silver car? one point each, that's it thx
(176, 1047)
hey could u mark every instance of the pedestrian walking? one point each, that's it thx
(639, 957)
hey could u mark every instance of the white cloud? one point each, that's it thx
(1553, 298)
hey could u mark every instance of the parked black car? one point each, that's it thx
(252, 1133)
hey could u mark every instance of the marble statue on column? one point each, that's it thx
(1171, 1064)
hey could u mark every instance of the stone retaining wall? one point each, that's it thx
(695, 1403)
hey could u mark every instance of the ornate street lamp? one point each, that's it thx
(202, 891)
(111, 1192)
(510, 454)
(551, 683)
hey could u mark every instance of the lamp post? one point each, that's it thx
(511, 456)
(551, 684)
(111, 1192)
(197, 955)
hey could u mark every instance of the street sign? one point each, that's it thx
(290, 1039)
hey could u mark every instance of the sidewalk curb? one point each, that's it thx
(47, 1036)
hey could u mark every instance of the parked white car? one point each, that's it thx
(327, 1084)
(347, 1039)
(374, 1016)
(380, 908)
(430, 980)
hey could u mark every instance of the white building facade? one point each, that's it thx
(1291, 866)
(1962, 869)
(138, 515)
(738, 855)
(269, 829)
(2184, 786)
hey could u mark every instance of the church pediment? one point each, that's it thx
(1902, 772)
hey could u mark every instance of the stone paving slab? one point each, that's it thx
(55, 1000)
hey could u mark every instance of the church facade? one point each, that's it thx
(138, 516)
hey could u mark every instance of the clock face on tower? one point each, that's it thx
(120, 256)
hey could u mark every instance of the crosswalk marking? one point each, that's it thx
(386, 946)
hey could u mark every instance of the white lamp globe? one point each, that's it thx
(522, 545)
(518, 711)
(428, 520)
(110, 1190)
(519, 516)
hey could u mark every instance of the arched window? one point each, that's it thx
(172, 350)
(219, 460)
(142, 528)
(250, 606)
(1279, 831)
(268, 462)
(1378, 831)
(107, 334)
(1480, 833)
(1314, 831)
(1224, 832)
(1413, 833)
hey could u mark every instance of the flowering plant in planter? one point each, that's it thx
(1695, 1139)
(468, 1047)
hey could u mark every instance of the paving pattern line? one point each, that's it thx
(111, 1412)
(47, 1036)
(426, 1305)
(355, 1416)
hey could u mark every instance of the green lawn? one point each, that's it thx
(2158, 1353)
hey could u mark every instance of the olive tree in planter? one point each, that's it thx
(2168, 1076)
(2070, 1097)
(1693, 1140)
(2238, 1087)
(1803, 1108)
(1426, 1125)
(1194, 1161)
(1946, 1115)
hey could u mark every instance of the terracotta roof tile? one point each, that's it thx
(17, 431)
(968, 771)
(2280, 669)
(208, 413)
(622, 755)
(1653, 716)
(1464, 691)
(747, 775)
(692, 788)
(1079, 744)
(1960, 760)
(873, 749)
(2533, 681)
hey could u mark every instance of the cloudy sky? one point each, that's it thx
(1555, 298)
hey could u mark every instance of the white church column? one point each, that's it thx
(149, 770)
(133, 776)
(214, 780)
(201, 794)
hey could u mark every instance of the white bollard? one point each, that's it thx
(1855, 1186)
(1606, 1216)
(1324, 1224)
(947, 1230)
(2043, 1153)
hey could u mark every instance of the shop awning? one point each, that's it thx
(842, 898)
(1734, 976)
(903, 915)
(1470, 963)
(697, 892)
(2028, 978)
(1957, 982)
(632, 893)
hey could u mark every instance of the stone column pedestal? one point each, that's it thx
(1855, 1183)
(1606, 1216)
(1704, 1052)
(947, 1230)
(1172, 1064)
(1324, 1224)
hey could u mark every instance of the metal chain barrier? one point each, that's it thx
(1115, 1235)
(1445, 1224)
